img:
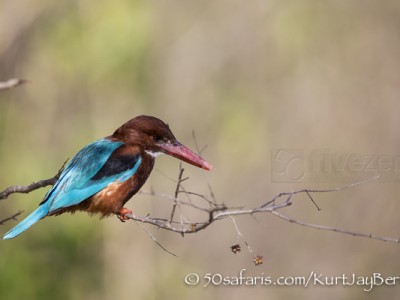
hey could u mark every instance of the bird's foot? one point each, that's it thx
(121, 214)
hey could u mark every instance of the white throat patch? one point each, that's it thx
(153, 154)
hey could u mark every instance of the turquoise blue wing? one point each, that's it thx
(90, 171)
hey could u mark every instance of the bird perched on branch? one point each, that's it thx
(105, 174)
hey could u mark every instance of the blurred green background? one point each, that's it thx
(248, 77)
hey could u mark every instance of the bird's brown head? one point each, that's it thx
(155, 137)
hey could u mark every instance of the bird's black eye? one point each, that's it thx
(157, 138)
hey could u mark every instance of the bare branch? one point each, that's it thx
(220, 212)
(214, 212)
(29, 188)
(11, 83)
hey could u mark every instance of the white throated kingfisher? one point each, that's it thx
(105, 174)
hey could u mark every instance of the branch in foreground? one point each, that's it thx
(33, 186)
(11, 83)
(214, 211)
(27, 188)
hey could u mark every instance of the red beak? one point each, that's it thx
(183, 153)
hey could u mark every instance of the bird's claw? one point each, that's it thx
(121, 214)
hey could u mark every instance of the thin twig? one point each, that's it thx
(196, 145)
(352, 185)
(201, 196)
(212, 195)
(343, 231)
(241, 236)
(312, 200)
(178, 184)
(13, 217)
(172, 198)
(154, 239)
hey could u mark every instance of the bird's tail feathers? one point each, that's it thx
(39, 213)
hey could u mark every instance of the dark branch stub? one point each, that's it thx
(312, 200)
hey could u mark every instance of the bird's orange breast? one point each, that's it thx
(109, 200)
